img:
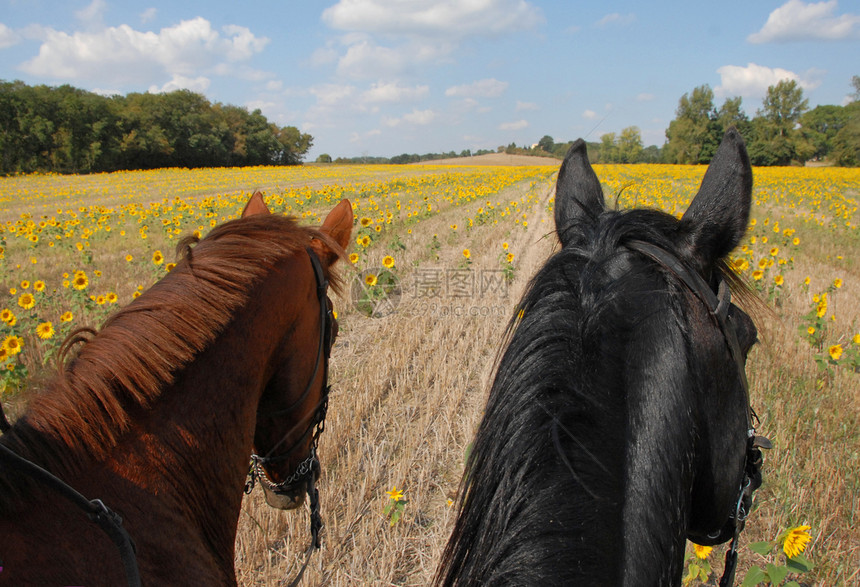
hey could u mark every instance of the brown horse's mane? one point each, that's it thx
(140, 349)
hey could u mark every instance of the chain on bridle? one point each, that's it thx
(308, 470)
(718, 305)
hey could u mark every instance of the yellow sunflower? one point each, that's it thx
(12, 344)
(835, 351)
(702, 552)
(26, 301)
(388, 261)
(80, 281)
(45, 330)
(796, 541)
(7, 316)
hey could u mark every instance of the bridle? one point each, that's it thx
(718, 305)
(308, 470)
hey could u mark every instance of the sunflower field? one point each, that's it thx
(440, 255)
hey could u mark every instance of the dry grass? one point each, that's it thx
(408, 392)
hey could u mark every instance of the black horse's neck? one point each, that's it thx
(585, 455)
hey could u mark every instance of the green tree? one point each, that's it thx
(690, 135)
(293, 145)
(820, 126)
(608, 148)
(546, 143)
(629, 145)
(846, 143)
(776, 138)
(730, 115)
(66, 129)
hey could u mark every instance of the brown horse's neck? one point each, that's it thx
(180, 466)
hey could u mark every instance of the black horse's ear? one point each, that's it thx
(578, 194)
(717, 218)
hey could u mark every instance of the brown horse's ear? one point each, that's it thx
(337, 225)
(255, 205)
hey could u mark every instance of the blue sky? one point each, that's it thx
(384, 77)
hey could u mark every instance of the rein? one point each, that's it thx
(108, 520)
(718, 305)
(308, 470)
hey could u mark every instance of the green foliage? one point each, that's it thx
(68, 130)
(395, 507)
(691, 136)
(821, 125)
(815, 328)
(776, 137)
(546, 143)
(783, 132)
(791, 541)
(698, 570)
(846, 143)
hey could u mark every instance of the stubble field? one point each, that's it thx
(411, 366)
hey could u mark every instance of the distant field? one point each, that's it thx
(409, 383)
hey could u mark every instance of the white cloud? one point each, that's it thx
(590, 115)
(526, 106)
(485, 88)
(753, 80)
(148, 15)
(242, 44)
(367, 59)
(389, 37)
(332, 94)
(421, 117)
(798, 21)
(645, 97)
(93, 15)
(180, 82)
(8, 37)
(416, 117)
(123, 54)
(517, 125)
(616, 19)
(324, 56)
(392, 92)
(445, 18)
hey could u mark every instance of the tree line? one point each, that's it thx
(784, 131)
(67, 130)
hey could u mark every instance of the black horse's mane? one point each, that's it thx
(557, 403)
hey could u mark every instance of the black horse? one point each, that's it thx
(618, 424)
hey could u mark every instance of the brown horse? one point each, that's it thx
(158, 413)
